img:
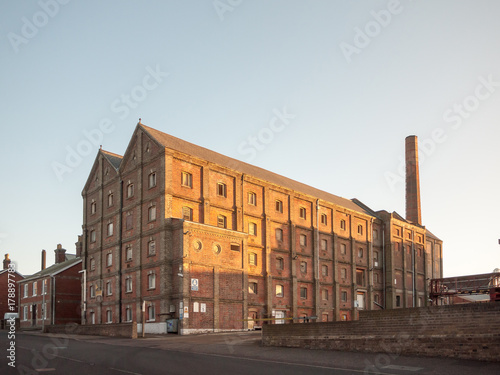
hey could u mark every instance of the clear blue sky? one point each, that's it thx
(348, 80)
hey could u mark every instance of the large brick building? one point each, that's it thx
(214, 241)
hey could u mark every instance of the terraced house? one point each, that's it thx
(186, 233)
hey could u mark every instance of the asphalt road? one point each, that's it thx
(236, 353)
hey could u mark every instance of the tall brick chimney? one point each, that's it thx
(6, 262)
(44, 259)
(60, 254)
(413, 212)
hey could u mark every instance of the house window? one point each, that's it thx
(324, 219)
(92, 264)
(280, 264)
(128, 314)
(279, 234)
(109, 290)
(324, 294)
(342, 224)
(92, 236)
(109, 259)
(302, 213)
(187, 179)
(303, 240)
(151, 247)
(151, 312)
(398, 301)
(252, 259)
(397, 246)
(324, 244)
(279, 291)
(408, 235)
(152, 179)
(252, 199)
(92, 291)
(128, 252)
(217, 249)
(235, 247)
(360, 277)
(343, 296)
(324, 270)
(151, 281)
(130, 190)
(221, 221)
(360, 252)
(221, 189)
(93, 208)
(152, 213)
(279, 206)
(110, 229)
(303, 293)
(110, 199)
(128, 284)
(252, 229)
(187, 213)
(303, 267)
(343, 273)
(35, 287)
(109, 316)
(25, 295)
(343, 249)
(360, 229)
(25, 313)
(252, 288)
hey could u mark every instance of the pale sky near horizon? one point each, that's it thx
(320, 91)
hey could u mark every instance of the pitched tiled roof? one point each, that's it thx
(180, 145)
(428, 233)
(114, 159)
(54, 269)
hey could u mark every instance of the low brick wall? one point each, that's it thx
(469, 331)
(128, 330)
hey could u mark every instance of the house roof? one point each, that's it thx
(177, 144)
(54, 269)
(114, 159)
(3, 271)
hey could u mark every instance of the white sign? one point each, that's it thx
(186, 310)
(194, 284)
(203, 308)
(186, 315)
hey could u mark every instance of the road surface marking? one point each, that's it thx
(404, 368)
(127, 372)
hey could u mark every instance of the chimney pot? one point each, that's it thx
(6, 262)
(60, 254)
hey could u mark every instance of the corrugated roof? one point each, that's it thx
(171, 142)
(54, 269)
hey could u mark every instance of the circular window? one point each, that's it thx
(217, 249)
(197, 245)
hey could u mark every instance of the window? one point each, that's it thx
(324, 270)
(92, 236)
(129, 222)
(130, 190)
(221, 221)
(343, 249)
(152, 213)
(128, 314)
(92, 291)
(360, 277)
(397, 246)
(343, 296)
(92, 317)
(187, 213)
(187, 179)
(343, 273)
(252, 199)
(279, 234)
(110, 199)
(25, 291)
(35, 287)
(128, 253)
(303, 267)
(252, 229)
(110, 229)
(279, 291)
(375, 278)
(360, 229)
(221, 189)
(217, 249)
(93, 208)
(92, 264)
(398, 301)
(398, 232)
(44, 286)
(128, 284)
(377, 298)
(152, 179)
(342, 224)
(151, 281)
(280, 264)
(151, 312)
(344, 317)
(303, 240)
(324, 244)
(324, 219)
(279, 206)
(109, 316)
(109, 259)
(235, 247)
(360, 252)
(375, 234)
(109, 290)
(302, 213)
(252, 259)
(25, 313)
(252, 288)
(408, 235)
(303, 293)
(324, 294)
(375, 257)
(151, 247)
(420, 302)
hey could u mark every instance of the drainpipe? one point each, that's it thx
(53, 298)
(370, 261)
(413, 266)
(120, 255)
(383, 265)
